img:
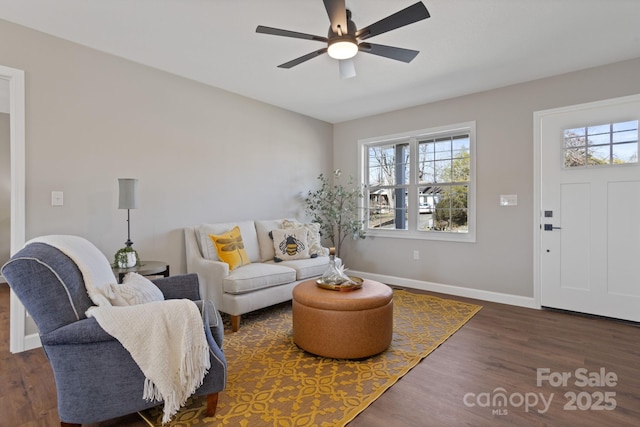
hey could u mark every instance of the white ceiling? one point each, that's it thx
(466, 46)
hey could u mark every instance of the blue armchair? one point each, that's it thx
(96, 378)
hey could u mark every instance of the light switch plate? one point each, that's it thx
(57, 198)
(508, 200)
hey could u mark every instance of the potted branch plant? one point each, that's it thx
(336, 208)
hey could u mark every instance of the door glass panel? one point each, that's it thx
(625, 153)
(598, 155)
(607, 144)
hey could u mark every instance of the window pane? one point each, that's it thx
(577, 132)
(450, 209)
(574, 140)
(592, 130)
(394, 219)
(625, 153)
(444, 160)
(427, 172)
(574, 157)
(388, 165)
(461, 143)
(426, 150)
(608, 144)
(599, 139)
(379, 201)
(376, 176)
(442, 147)
(427, 197)
(460, 147)
(460, 168)
(443, 171)
(598, 155)
(626, 136)
(632, 125)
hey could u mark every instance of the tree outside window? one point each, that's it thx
(444, 168)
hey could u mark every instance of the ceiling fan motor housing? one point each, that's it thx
(340, 32)
(343, 44)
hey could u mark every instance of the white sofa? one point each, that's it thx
(261, 283)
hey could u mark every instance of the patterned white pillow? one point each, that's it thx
(313, 236)
(134, 289)
(290, 243)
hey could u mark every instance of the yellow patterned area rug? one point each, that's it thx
(271, 382)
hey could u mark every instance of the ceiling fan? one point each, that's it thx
(344, 40)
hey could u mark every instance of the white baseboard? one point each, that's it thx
(479, 294)
(31, 341)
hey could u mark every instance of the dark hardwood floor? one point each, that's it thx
(497, 353)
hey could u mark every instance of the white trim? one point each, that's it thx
(17, 340)
(538, 116)
(537, 212)
(479, 294)
(31, 341)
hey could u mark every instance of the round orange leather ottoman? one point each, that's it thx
(343, 324)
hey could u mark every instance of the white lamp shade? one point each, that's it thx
(128, 196)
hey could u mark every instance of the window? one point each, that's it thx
(606, 144)
(421, 184)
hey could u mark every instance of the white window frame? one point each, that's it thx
(413, 137)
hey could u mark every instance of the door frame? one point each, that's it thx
(538, 116)
(18, 316)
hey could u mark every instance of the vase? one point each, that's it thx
(131, 261)
(332, 275)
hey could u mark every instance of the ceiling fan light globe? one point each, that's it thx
(342, 49)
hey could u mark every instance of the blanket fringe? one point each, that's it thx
(191, 376)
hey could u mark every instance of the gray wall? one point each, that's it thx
(501, 260)
(201, 154)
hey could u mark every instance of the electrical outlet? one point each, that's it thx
(416, 255)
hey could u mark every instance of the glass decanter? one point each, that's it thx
(333, 275)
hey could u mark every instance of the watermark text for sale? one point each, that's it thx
(592, 393)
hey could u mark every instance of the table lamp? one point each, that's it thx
(128, 199)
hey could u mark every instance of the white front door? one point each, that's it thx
(590, 250)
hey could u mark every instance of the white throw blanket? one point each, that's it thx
(165, 338)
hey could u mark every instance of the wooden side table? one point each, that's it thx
(145, 268)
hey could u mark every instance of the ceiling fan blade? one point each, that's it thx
(337, 12)
(286, 33)
(397, 53)
(303, 58)
(347, 68)
(411, 14)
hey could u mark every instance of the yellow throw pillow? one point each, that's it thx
(230, 248)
